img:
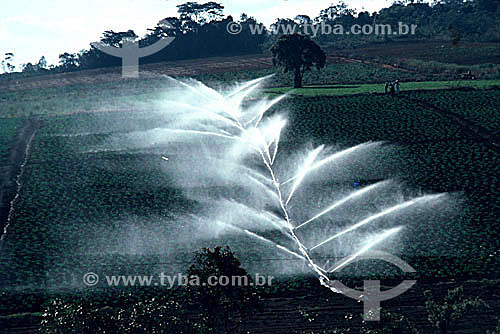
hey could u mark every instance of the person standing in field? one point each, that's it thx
(397, 87)
(386, 87)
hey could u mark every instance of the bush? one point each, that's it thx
(60, 316)
(455, 305)
(221, 306)
(390, 323)
(155, 315)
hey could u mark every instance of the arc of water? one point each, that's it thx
(260, 115)
(215, 94)
(376, 216)
(331, 158)
(366, 248)
(248, 84)
(268, 161)
(262, 141)
(305, 253)
(291, 252)
(274, 244)
(343, 201)
(319, 271)
(304, 170)
(205, 133)
(276, 131)
(276, 144)
(202, 114)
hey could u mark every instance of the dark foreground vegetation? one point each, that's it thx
(301, 307)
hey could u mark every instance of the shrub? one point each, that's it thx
(60, 316)
(455, 305)
(390, 323)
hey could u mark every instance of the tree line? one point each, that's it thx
(200, 30)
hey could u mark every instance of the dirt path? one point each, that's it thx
(190, 67)
(386, 66)
(173, 68)
(11, 174)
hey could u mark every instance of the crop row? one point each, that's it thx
(479, 106)
(111, 205)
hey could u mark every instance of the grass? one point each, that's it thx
(341, 90)
(103, 96)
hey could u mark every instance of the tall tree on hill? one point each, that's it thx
(331, 13)
(297, 53)
(7, 62)
(68, 61)
(200, 13)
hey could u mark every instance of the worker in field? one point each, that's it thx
(392, 88)
(386, 87)
(397, 87)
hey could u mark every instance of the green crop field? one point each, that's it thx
(479, 106)
(76, 199)
(340, 90)
(435, 154)
(8, 127)
(93, 201)
(334, 73)
(134, 93)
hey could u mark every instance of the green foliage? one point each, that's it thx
(71, 198)
(155, 315)
(7, 62)
(481, 107)
(200, 13)
(220, 308)
(61, 316)
(496, 331)
(221, 305)
(445, 314)
(151, 315)
(390, 323)
(8, 128)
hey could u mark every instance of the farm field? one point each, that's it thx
(135, 94)
(8, 158)
(7, 133)
(479, 106)
(75, 195)
(94, 200)
(341, 90)
(83, 208)
(464, 54)
(50, 98)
